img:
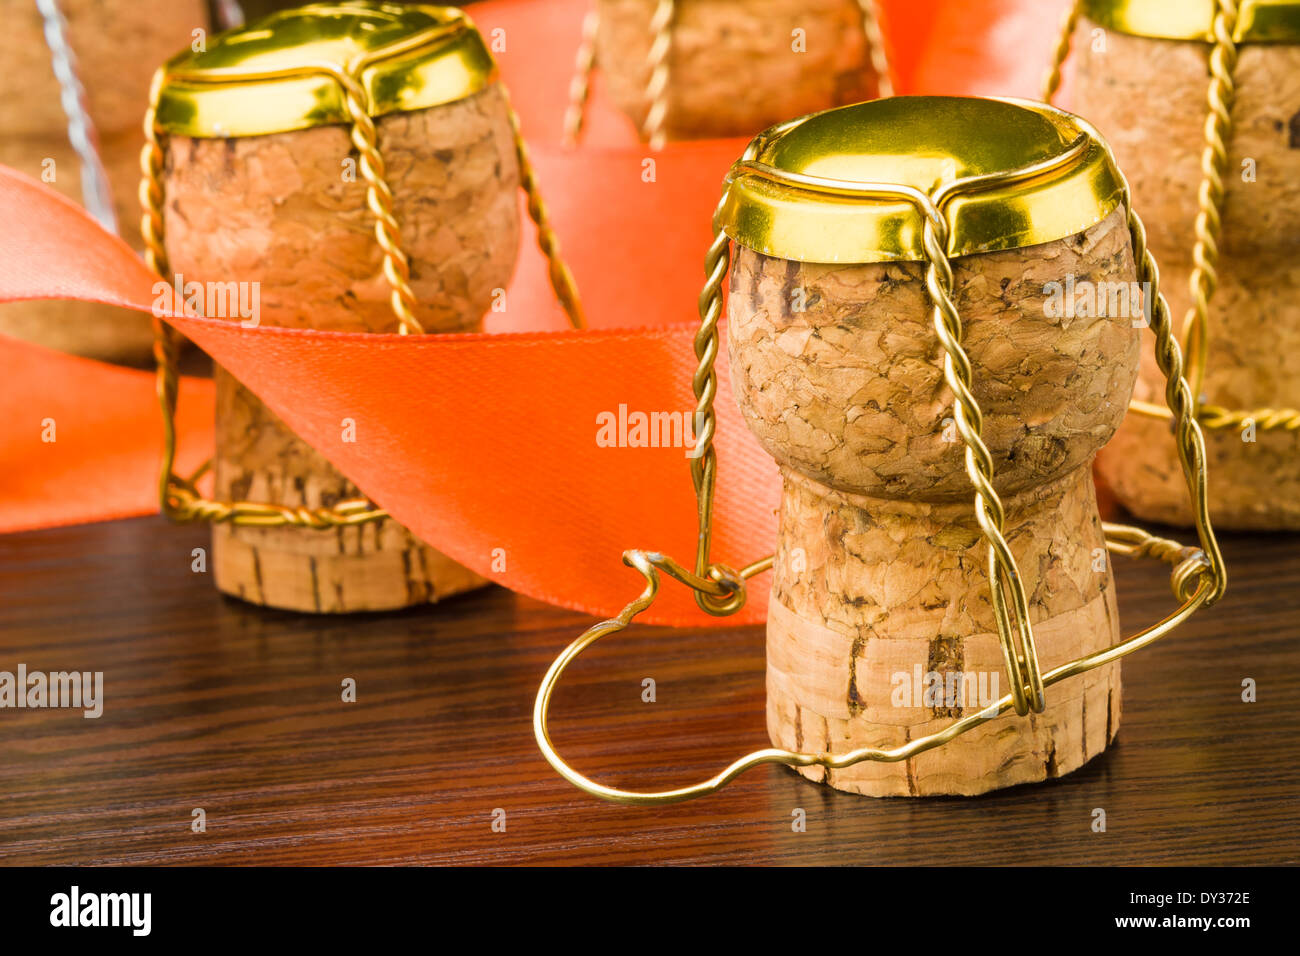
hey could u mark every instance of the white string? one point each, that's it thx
(95, 190)
(229, 14)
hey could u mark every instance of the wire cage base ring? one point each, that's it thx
(1193, 579)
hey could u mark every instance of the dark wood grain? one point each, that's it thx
(215, 704)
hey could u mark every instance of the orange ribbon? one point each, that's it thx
(493, 447)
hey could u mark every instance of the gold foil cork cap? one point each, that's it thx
(1258, 21)
(287, 71)
(853, 184)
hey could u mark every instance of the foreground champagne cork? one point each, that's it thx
(284, 214)
(114, 46)
(1148, 95)
(735, 68)
(880, 628)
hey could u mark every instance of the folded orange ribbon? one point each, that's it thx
(523, 446)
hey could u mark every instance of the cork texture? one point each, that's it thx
(1139, 89)
(103, 332)
(282, 210)
(866, 591)
(880, 564)
(851, 392)
(370, 567)
(733, 69)
(296, 204)
(118, 45)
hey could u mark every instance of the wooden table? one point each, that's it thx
(213, 704)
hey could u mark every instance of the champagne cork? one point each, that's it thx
(286, 213)
(1148, 95)
(114, 46)
(881, 628)
(736, 68)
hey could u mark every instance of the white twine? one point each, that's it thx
(95, 190)
(229, 14)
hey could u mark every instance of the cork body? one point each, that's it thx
(1148, 97)
(117, 44)
(288, 211)
(881, 628)
(737, 68)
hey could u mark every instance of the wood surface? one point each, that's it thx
(212, 703)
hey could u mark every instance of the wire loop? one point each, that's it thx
(1198, 578)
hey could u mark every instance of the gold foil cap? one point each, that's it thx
(1258, 21)
(284, 71)
(851, 184)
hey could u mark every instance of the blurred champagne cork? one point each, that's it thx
(722, 68)
(1143, 72)
(265, 188)
(109, 49)
(881, 628)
